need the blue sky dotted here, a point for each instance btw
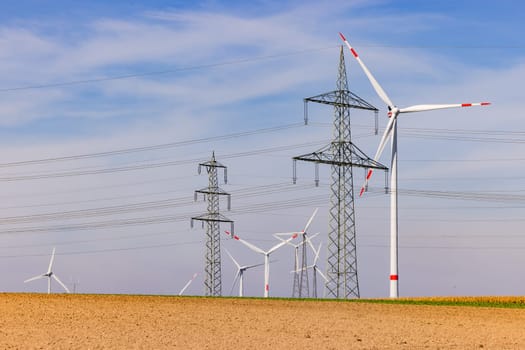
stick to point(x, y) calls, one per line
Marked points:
point(230, 67)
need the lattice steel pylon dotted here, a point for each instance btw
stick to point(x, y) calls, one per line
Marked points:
point(213, 218)
point(342, 155)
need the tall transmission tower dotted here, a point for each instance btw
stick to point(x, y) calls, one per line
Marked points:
point(342, 155)
point(212, 219)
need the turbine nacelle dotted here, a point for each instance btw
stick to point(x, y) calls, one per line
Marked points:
point(393, 111)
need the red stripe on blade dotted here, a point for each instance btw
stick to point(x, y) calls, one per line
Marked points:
point(267, 287)
point(466, 105)
point(485, 103)
point(342, 36)
point(393, 277)
point(369, 174)
point(362, 190)
point(354, 53)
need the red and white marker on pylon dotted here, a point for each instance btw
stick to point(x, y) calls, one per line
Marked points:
point(391, 131)
point(266, 257)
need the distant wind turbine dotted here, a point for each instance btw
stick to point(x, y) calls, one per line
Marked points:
point(315, 268)
point(49, 274)
point(266, 257)
point(240, 274)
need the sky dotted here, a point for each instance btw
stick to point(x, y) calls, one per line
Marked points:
point(107, 108)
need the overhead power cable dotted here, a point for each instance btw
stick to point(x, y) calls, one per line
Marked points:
point(160, 219)
point(170, 203)
point(458, 195)
point(152, 147)
point(156, 165)
point(164, 72)
point(242, 61)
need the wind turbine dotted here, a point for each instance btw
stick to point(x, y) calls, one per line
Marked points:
point(240, 274)
point(266, 257)
point(296, 268)
point(315, 268)
point(391, 132)
point(49, 274)
point(301, 281)
point(188, 283)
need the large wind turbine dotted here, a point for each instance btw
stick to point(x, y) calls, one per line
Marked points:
point(391, 132)
point(49, 274)
point(266, 257)
point(240, 274)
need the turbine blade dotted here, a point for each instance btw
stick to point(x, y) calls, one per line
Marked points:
point(309, 241)
point(321, 273)
point(246, 267)
point(237, 275)
point(231, 257)
point(277, 246)
point(310, 220)
point(188, 284)
point(421, 108)
point(380, 149)
point(34, 278)
point(279, 234)
point(60, 282)
point(248, 244)
point(317, 253)
point(51, 261)
point(379, 90)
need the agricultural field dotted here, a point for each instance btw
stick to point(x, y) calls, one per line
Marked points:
point(156, 322)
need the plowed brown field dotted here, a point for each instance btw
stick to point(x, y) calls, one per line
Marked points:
point(153, 322)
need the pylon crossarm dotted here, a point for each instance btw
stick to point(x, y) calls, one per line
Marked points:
point(342, 98)
point(218, 191)
point(348, 154)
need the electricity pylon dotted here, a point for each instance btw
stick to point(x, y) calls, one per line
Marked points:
point(342, 155)
point(212, 269)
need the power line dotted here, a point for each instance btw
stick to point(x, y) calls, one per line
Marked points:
point(154, 165)
point(97, 251)
point(164, 72)
point(152, 147)
point(242, 61)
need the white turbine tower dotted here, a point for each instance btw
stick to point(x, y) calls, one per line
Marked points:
point(391, 131)
point(266, 257)
point(49, 274)
point(240, 274)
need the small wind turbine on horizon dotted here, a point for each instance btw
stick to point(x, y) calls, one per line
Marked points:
point(266, 257)
point(391, 133)
point(240, 274)
point(49, 274)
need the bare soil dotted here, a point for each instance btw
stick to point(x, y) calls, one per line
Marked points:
point(36, 321)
